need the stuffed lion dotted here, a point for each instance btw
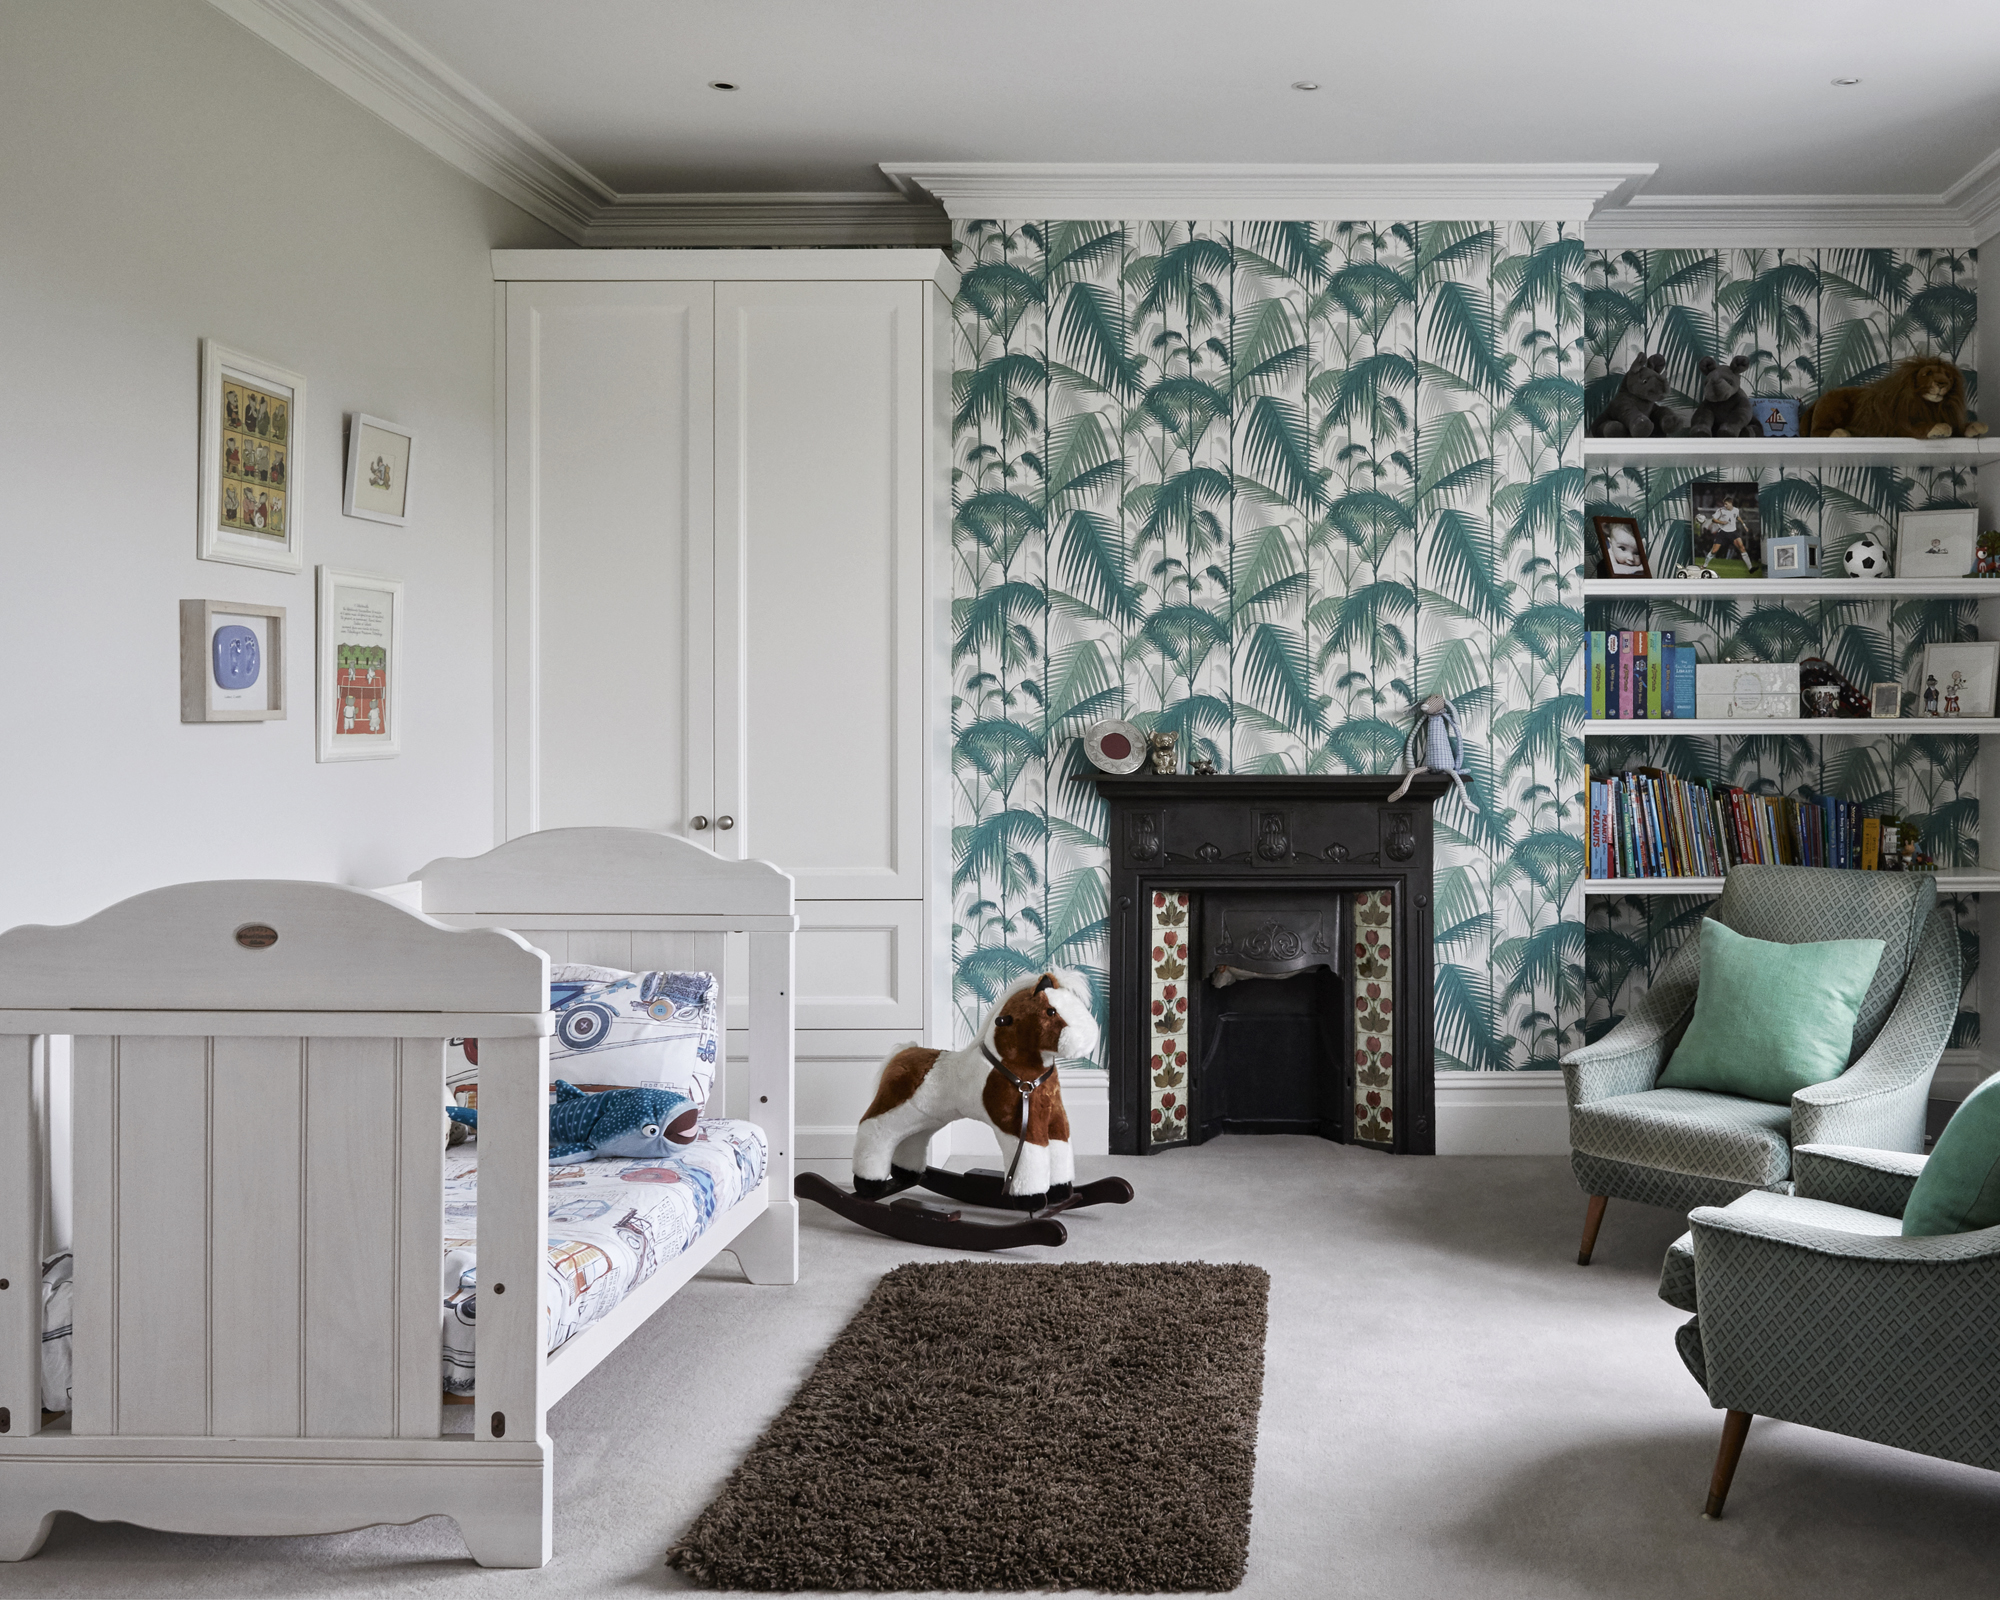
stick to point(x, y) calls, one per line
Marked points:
point(1923, 398)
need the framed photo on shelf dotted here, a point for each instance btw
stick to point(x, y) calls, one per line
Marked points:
point(1957, 679)
point(251, 412)
point(1885, 700)
point(1794, 555)
point(360, 674)
point(1724, 529)
point(232, 661)
point(1621, 548)
point(378, 470)
point(1937, 544)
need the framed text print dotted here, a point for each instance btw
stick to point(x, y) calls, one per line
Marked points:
point(250, 414)
point(360, 666)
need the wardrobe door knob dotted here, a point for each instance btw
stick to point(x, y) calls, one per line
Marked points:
point(698, 823)
point(725, 823)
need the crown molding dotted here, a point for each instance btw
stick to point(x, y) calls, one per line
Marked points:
point(1977, 194)
point(1786, 221)
point(1281, 191)
point(802, 220)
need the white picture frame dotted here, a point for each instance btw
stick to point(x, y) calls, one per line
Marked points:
point(253, 643)
point(252, 413)
point(1957, 680)
point(1937, 544)
point(360, 677)
point(379, 459)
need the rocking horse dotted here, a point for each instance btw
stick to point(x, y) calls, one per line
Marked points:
point(1007, 1078)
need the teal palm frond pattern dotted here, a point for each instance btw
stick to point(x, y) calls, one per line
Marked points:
point(1267, 484)
point(1808, 320)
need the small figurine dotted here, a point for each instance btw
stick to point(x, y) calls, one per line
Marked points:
point(1161, 745)
point(1437, 743)
point(1203, 767)
point(1930, 694)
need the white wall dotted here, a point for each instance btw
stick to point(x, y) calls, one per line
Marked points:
point(165, 175)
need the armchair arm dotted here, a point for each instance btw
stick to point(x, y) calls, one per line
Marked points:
point(1630, 1057)
point(1881, 1338)
point(1879, 1101)
point(1868, 1180)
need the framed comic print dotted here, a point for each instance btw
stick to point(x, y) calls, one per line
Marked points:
point(360, 674)
point(251, 412)
point(378, 470)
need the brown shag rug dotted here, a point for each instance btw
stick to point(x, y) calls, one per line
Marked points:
point(988, 1425)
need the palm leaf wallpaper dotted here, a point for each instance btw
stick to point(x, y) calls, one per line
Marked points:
point(1267, 484)
point(1807, 320)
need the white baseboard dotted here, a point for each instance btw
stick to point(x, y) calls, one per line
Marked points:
point(1501, 1114)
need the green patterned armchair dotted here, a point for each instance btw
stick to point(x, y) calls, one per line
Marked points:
point(1812, 1308)
point(1688, 1147)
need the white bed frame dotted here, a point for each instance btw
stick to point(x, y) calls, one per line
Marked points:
point(257, 1183)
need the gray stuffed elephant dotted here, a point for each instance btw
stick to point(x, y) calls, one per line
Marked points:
point(1725, 410)
point(1635, 410)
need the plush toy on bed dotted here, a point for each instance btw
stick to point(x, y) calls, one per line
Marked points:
point(615, 1122)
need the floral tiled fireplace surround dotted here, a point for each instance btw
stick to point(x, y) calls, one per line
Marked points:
point(1271, 966)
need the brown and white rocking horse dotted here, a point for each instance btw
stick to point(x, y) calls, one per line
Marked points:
point(1007, 1078)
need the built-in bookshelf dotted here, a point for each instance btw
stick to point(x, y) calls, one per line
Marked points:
point(1750, 727)
point(1949, 880)
point(1680, 449)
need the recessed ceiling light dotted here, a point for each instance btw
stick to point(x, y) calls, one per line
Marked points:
point(717, 83)
point(1845, 83)
point(1305, 83)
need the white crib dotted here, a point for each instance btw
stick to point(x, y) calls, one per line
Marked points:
point(256, 1175)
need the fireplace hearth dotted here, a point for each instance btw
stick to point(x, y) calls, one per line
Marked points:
point(1271, 967)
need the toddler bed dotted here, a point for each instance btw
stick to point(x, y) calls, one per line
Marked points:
point(262, 1195)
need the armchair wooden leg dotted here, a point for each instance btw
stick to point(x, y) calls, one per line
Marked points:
point(1735, 1426)
point(1592, 1220)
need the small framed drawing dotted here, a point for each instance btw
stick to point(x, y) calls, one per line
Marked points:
point(1885, 699)
point(1958, 679)
point(1937, 544)
point(378, 470)
point(361, 678)
point(232, 661)
point(1621, 551)
point(251, 412)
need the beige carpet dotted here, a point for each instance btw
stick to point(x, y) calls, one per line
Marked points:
point(1453, 1410)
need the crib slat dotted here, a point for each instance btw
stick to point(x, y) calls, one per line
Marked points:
point(350, 1237)
point(419, 1318)
point(159, 1157)
point(257, 1139)
point(94, 1302)
point(21, 1181)
point(772, 1074)
point(513, 1235)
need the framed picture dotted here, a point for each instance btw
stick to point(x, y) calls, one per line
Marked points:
point(360, 666)
point(1779, 417)
point(378, 470)
point(1958, 679)
point(251, 412)
point(232, 661)
point(1885, 700)
point(1724, 529)
point(1621, 550)
point(1937, 544)
point(1794, 555)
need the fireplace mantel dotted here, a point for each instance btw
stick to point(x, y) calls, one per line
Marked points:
point(1243, 831)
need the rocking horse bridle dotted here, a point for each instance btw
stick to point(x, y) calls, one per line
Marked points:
point(1027, 1093)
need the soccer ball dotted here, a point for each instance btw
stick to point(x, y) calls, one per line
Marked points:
point(1865, 559)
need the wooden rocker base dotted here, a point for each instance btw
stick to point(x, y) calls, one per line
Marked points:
point(918, 1221)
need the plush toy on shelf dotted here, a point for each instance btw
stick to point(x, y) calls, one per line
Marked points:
point(1725, 412)
point(1635, 410)
point(1922, 398)
point(1436, 745)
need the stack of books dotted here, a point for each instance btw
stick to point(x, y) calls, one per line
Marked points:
point(1649, 824)
point(1640, 674)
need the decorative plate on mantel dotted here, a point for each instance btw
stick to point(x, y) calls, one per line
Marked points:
point(1115, 747)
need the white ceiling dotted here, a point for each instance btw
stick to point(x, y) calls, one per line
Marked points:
point(1729, 97)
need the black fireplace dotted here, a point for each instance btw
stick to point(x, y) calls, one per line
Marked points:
point(1271, 966)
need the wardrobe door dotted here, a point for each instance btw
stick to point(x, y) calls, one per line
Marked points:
point(820, 500)
point(610, 568)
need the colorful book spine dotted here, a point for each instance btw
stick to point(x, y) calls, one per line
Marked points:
point(1871, 843)
point(1638, 665)
point(1597, 676)
point(1683, 659)
point(1655, 689)
point(1614, 658)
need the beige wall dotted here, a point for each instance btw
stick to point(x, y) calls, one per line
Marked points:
point(165, 175)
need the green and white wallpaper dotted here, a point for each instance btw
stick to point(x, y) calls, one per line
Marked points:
point(1269, 484)
point(1808, 320)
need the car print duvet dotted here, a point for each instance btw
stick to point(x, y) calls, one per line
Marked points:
point(612, 1223)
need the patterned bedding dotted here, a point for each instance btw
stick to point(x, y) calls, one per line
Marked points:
point(612, 1223)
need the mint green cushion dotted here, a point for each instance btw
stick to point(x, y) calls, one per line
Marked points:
point(1771, 1019)
point(1959, 1188)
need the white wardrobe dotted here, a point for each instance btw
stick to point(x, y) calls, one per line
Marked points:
point(726, 599)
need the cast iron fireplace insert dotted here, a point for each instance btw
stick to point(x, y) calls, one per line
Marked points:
point(1281, 858)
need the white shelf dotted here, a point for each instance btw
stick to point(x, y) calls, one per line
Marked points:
point(1681, 450)
point(1829, 727)
point(1808, 588)
point(1955, 880)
